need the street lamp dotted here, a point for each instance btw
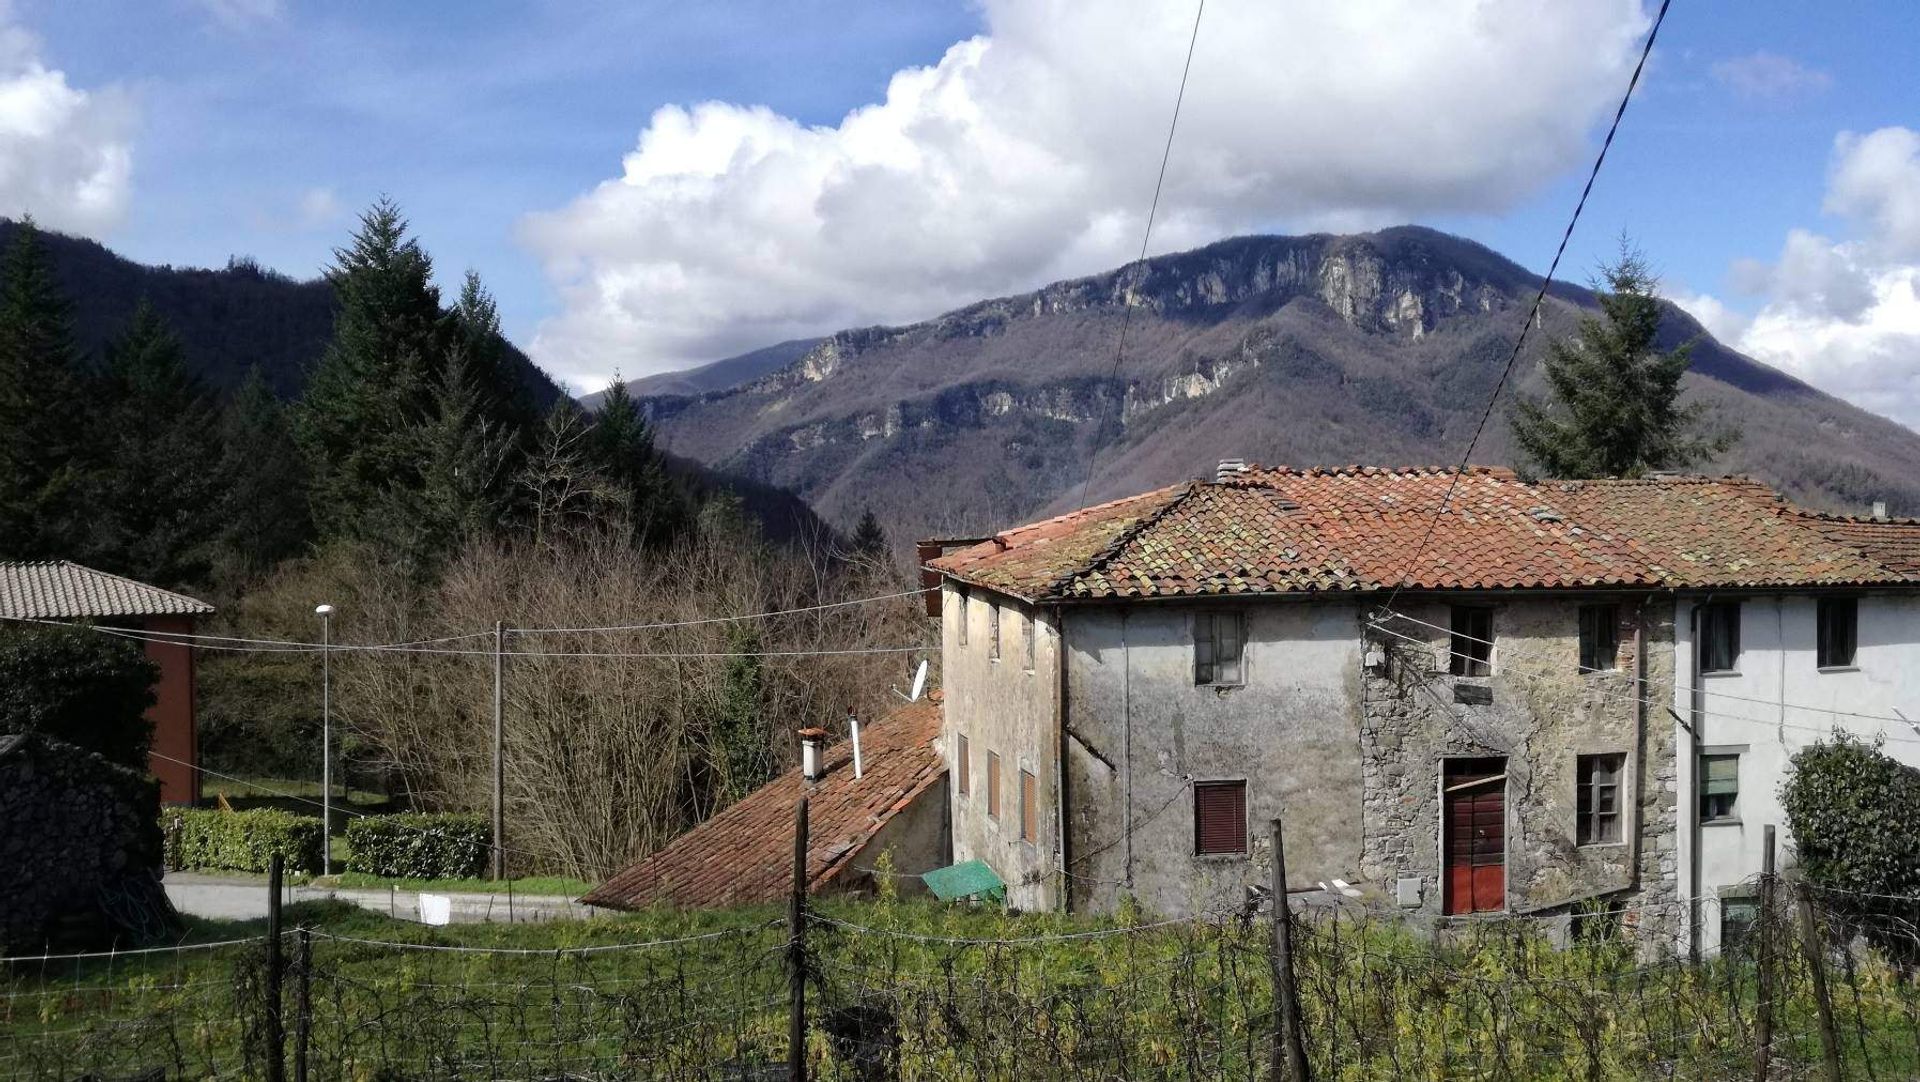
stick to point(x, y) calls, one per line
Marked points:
point(325, 612)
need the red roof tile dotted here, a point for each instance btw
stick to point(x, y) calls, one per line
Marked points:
point(744, 854)
point(1275, 531)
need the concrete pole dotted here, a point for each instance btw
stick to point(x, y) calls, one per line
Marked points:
point(326, 740)
point(499, 751)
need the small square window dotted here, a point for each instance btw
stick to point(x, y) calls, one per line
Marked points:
point(993, 785)
point(1471, 643)
point(1219, 817)
point(1720, 636)
point(1029, 806)
point(1739, 921)
point(993, 631)
point(1839, 631)
point(1598, 799)
point(1599, 638)
point(1219, 640)
point(962, 767)
point(1027, 635)
point(1719, 788)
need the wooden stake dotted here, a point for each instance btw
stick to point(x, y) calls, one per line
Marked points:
point(499, 753)
point(1289, 1047)
point(1817, 966)
point(1763, 1047)
point(797, 952)
point(276, 1033)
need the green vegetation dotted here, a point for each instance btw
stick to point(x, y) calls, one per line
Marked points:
point(1614, 408)
point(242, 841)
point(446, 846)
point(548, 885)
point(1855, 815)
point(78, 687)
point(942, 992)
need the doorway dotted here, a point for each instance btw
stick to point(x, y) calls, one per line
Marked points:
point(1473, 796)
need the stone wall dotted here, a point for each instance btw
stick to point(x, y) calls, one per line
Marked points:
point(1539, 712)
point(80, 849)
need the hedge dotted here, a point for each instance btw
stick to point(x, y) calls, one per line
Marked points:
point(242, 841)
point(418, 846)
point(1855, 815)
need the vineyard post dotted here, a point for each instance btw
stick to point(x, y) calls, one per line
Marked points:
point(1289, 1047)
point(797, 952)
point(1763, 1048)
point(1817, 968)
point(302, 1003)
point(276, 1034)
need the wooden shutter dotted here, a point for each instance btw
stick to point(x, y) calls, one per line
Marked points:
point(1220, 817)
point(1029, 806)
point(962, 768)
point(993, 785)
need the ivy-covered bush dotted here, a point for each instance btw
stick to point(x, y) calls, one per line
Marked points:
point(1855, 816)
point(79, 687)
point(241, 841)
point(418, 846)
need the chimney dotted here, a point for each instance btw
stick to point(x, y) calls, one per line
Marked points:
point(853, 723)
point(1229, 467)
point(924, 553)
point(1880, 510)
point(813, 759)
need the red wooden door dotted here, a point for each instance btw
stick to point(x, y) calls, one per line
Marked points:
point(1474, 800)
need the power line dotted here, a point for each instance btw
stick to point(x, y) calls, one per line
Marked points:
point(1126, 310)
point(723, 619)
point(1539, 298)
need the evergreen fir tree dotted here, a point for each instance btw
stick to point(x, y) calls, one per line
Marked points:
point(264, 511)
point(1614, 409)
point(376, 381)
point(464, 461)
point(154, 491)
point(623, 445)
point(41, 407)
point(869, 539)
point(501, 388)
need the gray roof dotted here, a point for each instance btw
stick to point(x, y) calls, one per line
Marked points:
point(63, 590)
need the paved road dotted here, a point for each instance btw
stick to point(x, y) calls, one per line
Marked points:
point(223, 898)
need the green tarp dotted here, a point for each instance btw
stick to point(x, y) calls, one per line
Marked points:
point(970, 879)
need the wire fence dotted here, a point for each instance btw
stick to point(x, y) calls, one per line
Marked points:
point(1817, 985)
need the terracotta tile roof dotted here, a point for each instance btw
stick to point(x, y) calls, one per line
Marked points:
point(744, 854)
point(1278, 530)
point(62, 590)
point(1893, 542)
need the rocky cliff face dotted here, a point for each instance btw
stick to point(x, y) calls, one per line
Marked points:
point(1373, 348)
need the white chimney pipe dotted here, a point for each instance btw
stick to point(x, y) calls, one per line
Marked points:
point(812, 765)
point(1228, 467)
point(1880, 509)
point(853, 722)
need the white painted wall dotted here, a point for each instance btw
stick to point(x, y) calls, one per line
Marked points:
point(1777, 702)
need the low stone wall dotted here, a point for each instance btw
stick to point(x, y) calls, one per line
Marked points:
point(80, 849)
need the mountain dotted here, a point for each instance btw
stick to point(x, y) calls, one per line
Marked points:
point(715, 375)
point(1374, 348)
point(227, 320)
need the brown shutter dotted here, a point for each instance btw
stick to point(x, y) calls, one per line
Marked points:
point(1029, 807)
point(993, 784)
point(1220, 817)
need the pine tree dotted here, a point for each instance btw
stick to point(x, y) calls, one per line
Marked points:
point(623, 445)
point(376, 381)
point(869, 539)
point(465, 463)
point(264, 512)
point(42, 407)
point(503, 393)
point(1614, 409)
point(154, 491)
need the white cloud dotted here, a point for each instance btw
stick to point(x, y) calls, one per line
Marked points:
point(319, 207)
point(1769, 76)
point(1028, 154)
point(65, 155)
point(242, 14)
point(1844, 315)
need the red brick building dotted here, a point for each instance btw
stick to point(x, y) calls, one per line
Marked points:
point(62, 590)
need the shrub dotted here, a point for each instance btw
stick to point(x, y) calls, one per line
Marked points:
point(80, 687)
point(1855, 816)
point(242, 841)
point(418, 846)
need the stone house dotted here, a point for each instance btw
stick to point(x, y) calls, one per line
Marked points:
point(1459, 713)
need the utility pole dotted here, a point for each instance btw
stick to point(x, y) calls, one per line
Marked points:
point(325, 612)
point(499, 751)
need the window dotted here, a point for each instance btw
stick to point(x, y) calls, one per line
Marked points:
point(1218, 639)
point(993, 785)
point(1029, 806)
point(1739, 922)
point(1598, 799)
point(1839, 630)
point(962, 768)
point(1719, 788)
point(1599, 638)
point(993, 631)
point(1219, 817)
point(1026, 640)
point(1472, 642)
point(1720, 636)
point(961, 607)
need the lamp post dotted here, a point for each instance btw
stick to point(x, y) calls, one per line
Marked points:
point(325, 612)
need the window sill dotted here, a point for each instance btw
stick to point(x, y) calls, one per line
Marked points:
point(1721, 672)
point(1219, 688)
point(1720, 822)
point(1600, 845)
point(1837, 668)
point(1221, 858)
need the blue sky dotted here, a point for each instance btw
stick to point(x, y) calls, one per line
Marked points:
point(512, 135)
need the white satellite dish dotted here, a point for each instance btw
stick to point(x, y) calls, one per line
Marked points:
point(919, 684)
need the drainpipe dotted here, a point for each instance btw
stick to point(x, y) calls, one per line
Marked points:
point(1689, 809)
point(1126, 747)
point(1060, 756)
